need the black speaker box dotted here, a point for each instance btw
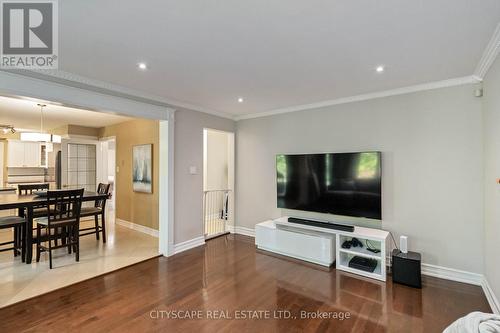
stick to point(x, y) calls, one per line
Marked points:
point(406, 268)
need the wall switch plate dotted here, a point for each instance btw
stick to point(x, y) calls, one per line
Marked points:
point(192, 170)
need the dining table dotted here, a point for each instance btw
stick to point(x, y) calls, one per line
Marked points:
point(25, 205)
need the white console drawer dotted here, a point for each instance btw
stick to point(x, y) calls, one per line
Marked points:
point(315, 248)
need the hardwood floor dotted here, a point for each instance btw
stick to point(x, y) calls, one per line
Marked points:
point(229, 276)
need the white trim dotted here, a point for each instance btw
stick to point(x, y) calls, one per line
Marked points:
point(358, 98)
point(452, 274)
point(428, 270)
point(166, 187)
point(491, 297)
point(189, 244)
point(82, 82)
point(40, 89)
point(73, 81)
point(489, 55)
point(137, 227)
point(241, 230)
point(446, 273)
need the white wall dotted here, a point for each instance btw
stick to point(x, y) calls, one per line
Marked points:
point(188, 191)
point(491, 109)
point(432, 166)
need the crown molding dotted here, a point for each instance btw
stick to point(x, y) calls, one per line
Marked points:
point(489, 55)
point(364, 97)
point(82, 82)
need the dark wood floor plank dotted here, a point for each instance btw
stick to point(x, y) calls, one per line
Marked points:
point(229, 275)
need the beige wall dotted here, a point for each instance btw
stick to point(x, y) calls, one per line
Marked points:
point(76, 130)
point(135, 207)
point(432, 157)
point(188, 194)
point(491, 109)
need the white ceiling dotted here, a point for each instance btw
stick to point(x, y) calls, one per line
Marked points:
point(25, 115)
point(275, 54)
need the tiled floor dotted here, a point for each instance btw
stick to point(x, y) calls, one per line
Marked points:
point(124, 247)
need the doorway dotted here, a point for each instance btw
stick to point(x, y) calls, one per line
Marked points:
point(106, 171)
point(218, 182)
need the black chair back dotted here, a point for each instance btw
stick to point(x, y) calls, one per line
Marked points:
point(27, 189)
point(63, 206)
point(102, 189)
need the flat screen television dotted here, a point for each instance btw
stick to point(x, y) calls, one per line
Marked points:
point(347, 184)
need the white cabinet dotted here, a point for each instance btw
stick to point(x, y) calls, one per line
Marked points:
point(15, 156)
point(323, 246)
point(23, 154)
point(318, 248)
point(32, 154)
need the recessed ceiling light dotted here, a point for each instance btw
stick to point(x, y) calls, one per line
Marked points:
point(240, 99)
point(142, 65)
point(380, 69)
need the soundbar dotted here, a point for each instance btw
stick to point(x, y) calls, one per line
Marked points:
point(328, 225)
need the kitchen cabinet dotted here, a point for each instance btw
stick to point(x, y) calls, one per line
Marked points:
point(24, 154)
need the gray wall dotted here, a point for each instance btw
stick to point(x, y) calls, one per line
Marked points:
point(491, 109)
point(432, 166)
point(188, 191)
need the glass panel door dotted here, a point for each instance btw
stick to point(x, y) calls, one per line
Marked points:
point(82, 166)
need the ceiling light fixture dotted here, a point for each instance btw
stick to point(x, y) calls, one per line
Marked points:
point(380, 69)
point(7, 128)
point(40, 136)
point(240, 99)
point(142, 66)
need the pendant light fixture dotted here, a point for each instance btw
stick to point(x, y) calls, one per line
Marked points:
point(40, 136)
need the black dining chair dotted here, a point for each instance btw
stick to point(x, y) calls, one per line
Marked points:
point(18, 224)
point(62, 213)
point(98, 209)
point(28, 189)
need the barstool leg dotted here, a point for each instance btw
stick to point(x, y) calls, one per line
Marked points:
point(50, 248)
point(23, 243)
point(16, 240)
point(38, 241)
point(103, 221)
point(96, 224)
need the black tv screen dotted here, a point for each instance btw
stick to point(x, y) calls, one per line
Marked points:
point(347, 184)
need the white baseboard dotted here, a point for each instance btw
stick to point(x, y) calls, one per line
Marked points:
point(241, 230)
point(189, 244)
point(490, 296)
point(429, 270)
point(452, 274)
point(137, 227)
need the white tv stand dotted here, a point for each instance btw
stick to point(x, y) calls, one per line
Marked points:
point(322, 246)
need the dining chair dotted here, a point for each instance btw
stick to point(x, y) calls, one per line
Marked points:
point(18, 224)
point(62, 213)
point(28, 189)
point(98, 209)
